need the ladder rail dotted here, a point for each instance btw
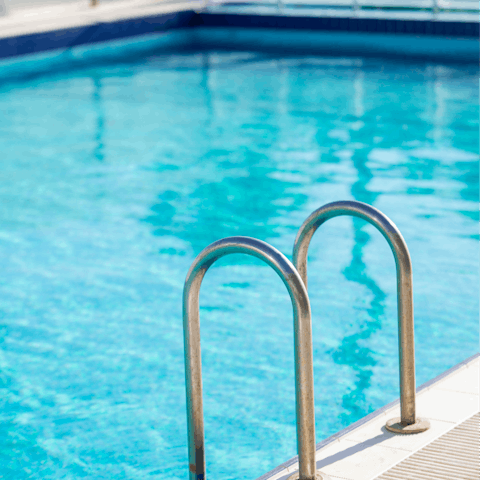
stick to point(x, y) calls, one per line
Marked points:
point(304, 392)
point(404, 293)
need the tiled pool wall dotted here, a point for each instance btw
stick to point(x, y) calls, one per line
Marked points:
point(90, 34)
point(447, 41)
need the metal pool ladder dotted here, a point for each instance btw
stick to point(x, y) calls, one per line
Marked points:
point(408, 422)
point(302, 343)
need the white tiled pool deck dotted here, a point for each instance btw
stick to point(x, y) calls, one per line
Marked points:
point(80, 14)
point(369, 450)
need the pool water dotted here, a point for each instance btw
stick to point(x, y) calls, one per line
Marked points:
point(116, 175)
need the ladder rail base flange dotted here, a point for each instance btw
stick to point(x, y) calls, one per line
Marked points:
point(318, 476)
point(395, 426)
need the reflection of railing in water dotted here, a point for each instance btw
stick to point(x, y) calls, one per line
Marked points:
point(100, 127)
point(408, 422)
point(352, 351)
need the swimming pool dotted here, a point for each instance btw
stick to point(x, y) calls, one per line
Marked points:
point(116, 175)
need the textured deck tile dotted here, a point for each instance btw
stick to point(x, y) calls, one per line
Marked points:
point(454, 455)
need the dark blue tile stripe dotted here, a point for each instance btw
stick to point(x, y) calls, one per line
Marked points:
point(416, 27)
point(71, 37)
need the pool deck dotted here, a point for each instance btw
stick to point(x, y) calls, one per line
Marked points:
point(366, 450)
point(80, 14)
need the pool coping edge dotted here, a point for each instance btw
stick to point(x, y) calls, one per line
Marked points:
point(370, 416)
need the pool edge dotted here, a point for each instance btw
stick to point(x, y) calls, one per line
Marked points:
point(459, 40)
point(371, 416)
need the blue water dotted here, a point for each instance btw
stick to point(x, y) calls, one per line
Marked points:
point(115, 175)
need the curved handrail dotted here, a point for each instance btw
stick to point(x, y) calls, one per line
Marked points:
point(303, 350)
point(404, 289)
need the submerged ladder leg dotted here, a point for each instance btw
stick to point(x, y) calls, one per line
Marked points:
point(302, 343)
point(408, 423)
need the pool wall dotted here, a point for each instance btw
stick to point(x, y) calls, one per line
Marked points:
point(339, 24)
point(89, 34)
point(340, 43)
point(447, 41)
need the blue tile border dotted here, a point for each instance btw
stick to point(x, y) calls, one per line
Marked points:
point(415, 27)
point(99, 32)
point(407, 47)
point(463, 49)
point(58, 60)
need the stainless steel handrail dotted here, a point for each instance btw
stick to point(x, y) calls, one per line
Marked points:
point(302, 341)
point(408, 423)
